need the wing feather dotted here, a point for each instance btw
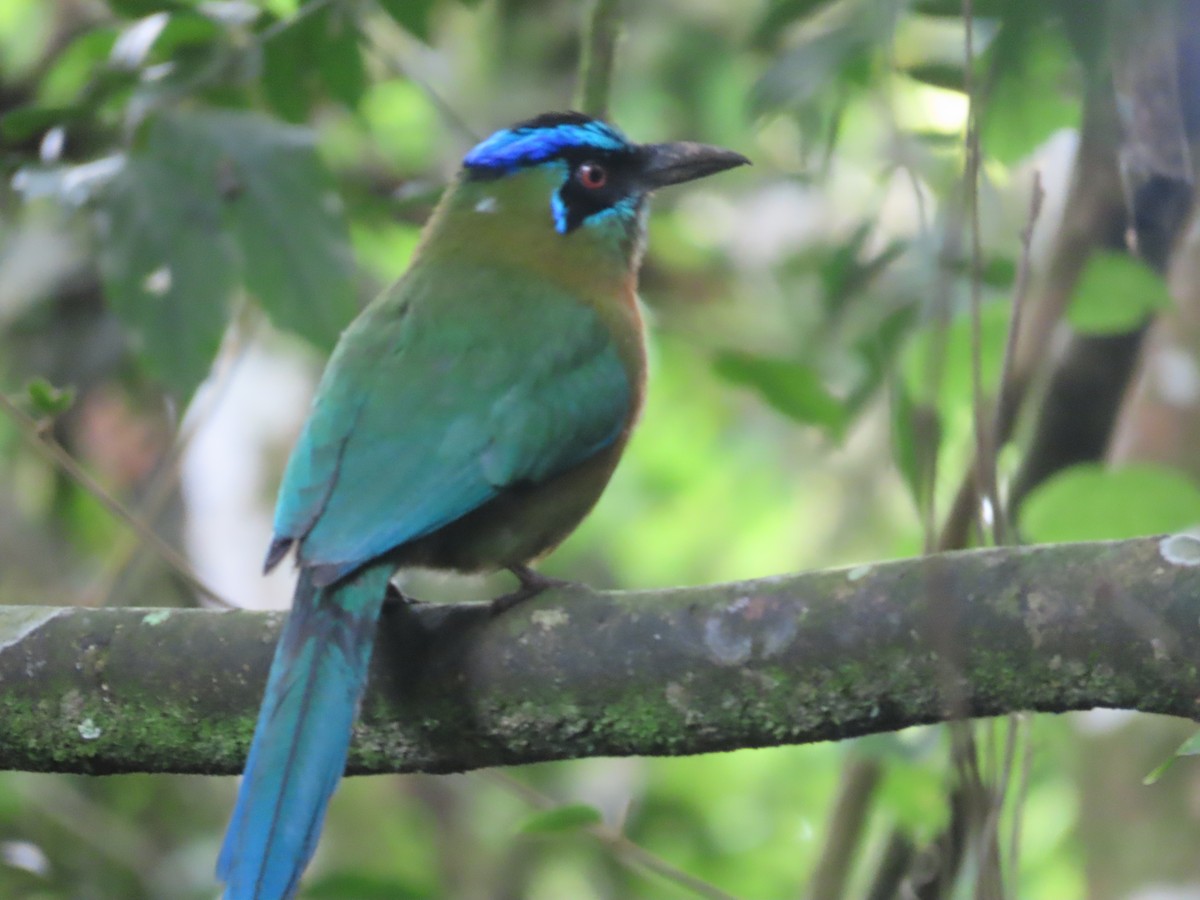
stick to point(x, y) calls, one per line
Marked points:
point(435, 401)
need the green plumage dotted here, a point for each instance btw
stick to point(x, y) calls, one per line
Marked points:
point(460, 383)
point(468, 419)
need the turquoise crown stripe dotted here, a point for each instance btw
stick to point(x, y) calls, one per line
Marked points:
point(513, 148)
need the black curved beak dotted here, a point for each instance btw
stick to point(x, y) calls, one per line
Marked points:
point(681, 161)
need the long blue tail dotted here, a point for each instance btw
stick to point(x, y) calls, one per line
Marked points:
point(303, 735)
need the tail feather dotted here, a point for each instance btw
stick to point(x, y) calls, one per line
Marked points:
point(302, 736)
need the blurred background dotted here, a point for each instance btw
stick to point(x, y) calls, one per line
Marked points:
point(196, 197)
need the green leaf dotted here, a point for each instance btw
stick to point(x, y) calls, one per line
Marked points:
point(953, 345)
point(212, 198)
point(75, 67)
point(562, 818)
point(186, 31)
point(135, 9)
point(287, 218)
point(782, 13)
point(792, 388)
point(1115, 294)
point(411, 15)
point(1190, 747)
point(289, 66)
point(24, 122)
point(340, 60)
point(168, 264)
point(847, 268)
point(914, 795)
point(47, 401)
point(1035, 95)
point(804, 72)
point(1090, 503)
point(916, 439)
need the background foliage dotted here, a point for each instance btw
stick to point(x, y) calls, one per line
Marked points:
point(197, 197)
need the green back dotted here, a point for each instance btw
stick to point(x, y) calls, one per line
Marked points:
point(460, 381)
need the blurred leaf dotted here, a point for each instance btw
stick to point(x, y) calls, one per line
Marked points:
point(1115, 294)
point(1090, 503)
point(136, 9)
point(916, 746)
point(916, 439)
point(941, 75)
point(314, 49)
point(844, 271)
point(186, 30)
point(340, 60)
point(913, 792)
point(782, 13)
point(931, 48)
point(136, 40)
point(817, 64)
point(288, 220)
point(990, 8)
point(794, 389)
point(26, 121)
point(954, 347)
point(562, 818)
point(69, 185)
point(357, 886)
point(411, 15)
point(1036, 92)
point(211, 195)
point(46, 400)
point(75, 67)
point(168, 264)
point(289, 65)
point(999, 271)
point(1190, 747)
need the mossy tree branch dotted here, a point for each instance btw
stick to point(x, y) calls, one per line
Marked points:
point(573, 673)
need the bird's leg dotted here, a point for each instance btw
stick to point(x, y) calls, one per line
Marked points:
point(532, 584)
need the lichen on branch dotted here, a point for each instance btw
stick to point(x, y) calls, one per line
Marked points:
point(574, 672)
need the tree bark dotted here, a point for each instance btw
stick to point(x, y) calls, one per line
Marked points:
point(573, 673)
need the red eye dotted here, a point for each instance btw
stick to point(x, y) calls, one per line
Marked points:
point(593, 176)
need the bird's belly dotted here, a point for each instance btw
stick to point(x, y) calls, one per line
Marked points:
point(522, 524)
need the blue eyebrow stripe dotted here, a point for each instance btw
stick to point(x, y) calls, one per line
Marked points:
point(515, 147)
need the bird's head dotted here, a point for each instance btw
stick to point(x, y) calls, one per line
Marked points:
point(581, 175)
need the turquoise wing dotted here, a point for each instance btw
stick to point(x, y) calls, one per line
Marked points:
point(443, 393)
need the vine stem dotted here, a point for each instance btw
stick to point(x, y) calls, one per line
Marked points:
point(54, 451)
point(596, 61)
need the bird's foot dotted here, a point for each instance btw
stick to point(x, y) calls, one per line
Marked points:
point(395, 599)
point(532, 584)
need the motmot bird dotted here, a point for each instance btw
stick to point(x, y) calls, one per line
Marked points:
point(467, 420)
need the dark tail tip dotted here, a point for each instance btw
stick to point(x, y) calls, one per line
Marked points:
point(278, 550)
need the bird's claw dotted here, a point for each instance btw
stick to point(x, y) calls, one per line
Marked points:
point(532, 584)
point(395, 599)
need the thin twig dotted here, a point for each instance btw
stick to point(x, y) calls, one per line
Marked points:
point(165, 482)
point(1006, 400)
point(596, 61)
point(985, 444)
point(615, 840)
point(988, 836)
point(396, 67)
point(61, 458)
point(860, 777)
point(105, 833)
point(1014, 840)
